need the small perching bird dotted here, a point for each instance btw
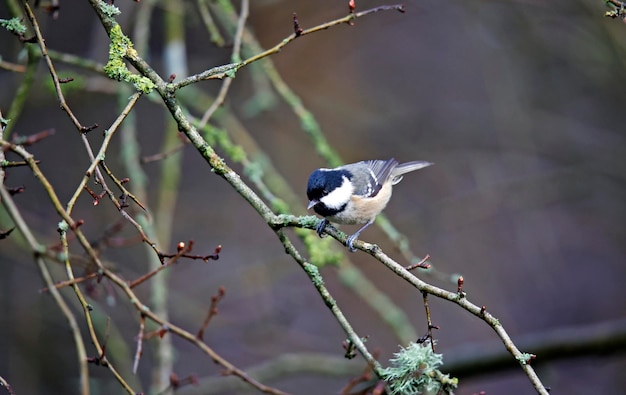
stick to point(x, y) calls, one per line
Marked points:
point(355, 193)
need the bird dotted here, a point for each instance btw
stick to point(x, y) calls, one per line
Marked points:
point(355, 193)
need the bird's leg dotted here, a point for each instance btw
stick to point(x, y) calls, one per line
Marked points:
point(321, 226)
point(352, 238)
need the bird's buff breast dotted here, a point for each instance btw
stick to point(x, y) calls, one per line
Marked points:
point(369, 208)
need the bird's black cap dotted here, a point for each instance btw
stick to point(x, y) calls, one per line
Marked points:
point(322, 182)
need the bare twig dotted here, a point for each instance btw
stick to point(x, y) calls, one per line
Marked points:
point(139, 352)
point(429, 333)
point(5, 384)
point(16, 68)
point(82, 129)
point(33, 138)
point(220, 72)
point(215, 299)
point(6, 165)
point(17, 218)
point(346, 19)
point(188, 336)
point(423, 264)
point(55, 79)
point(209, 23)
point(66, 283)
point(125, 191)
point(87, 308)
point(221, 96)
point(168, 153)
point(96, 159)
point(147, 276)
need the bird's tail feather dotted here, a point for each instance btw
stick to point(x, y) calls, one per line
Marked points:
point(410, 166)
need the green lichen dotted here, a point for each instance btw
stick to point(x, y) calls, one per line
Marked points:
point(309, 221)
point(63, 227)
point(14, 25)
point(109, 9)
point(413, 370)
point(616, 11)
point(314, 274)
point(116, 69)
point(525, 358)
point(231, 73)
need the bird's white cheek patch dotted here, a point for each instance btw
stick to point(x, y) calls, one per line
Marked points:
point(340, 196)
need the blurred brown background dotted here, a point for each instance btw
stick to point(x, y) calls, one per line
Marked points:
point(519, 103)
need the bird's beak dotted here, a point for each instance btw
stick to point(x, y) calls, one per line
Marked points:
point(312, 203)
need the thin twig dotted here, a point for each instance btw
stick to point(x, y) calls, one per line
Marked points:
point(209, 23)
point(220, 72)
point(120, 185)
point(96, 159)
point(429, 333)
point(16, 68)
point(423, 264)
point(55, 79)
point(188, 336)
point(34, 245)
point(87, 308)
point(33, 138)
point(5, 384)
point(235, 56)
point(150, 274)
point(22, 92)
point(215, 299)
point(166, 154)
point(77, 280)
point(6, 165)
point(346, 19)
point(139, 352)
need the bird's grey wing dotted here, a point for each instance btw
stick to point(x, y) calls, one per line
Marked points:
point(370, 175)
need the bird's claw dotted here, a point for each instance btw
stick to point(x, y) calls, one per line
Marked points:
point(350, 242)
point(321, 226)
